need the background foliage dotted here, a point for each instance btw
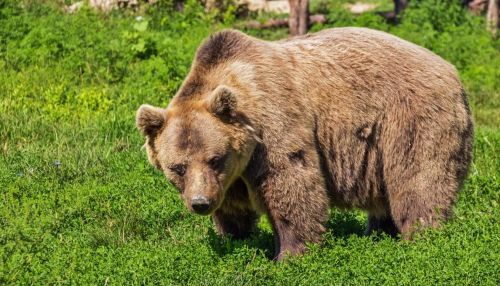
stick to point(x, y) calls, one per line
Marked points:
point(79, 203)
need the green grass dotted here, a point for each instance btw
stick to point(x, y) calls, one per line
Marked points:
point(79, 204)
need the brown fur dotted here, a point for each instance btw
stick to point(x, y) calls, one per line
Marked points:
point(347, 117)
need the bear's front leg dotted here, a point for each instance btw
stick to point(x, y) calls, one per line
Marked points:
point(238, 225)
point(296, 200)
point(236, 216)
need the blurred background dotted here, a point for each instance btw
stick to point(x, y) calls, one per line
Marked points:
point(103, 52)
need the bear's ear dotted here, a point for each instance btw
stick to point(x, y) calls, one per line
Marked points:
point(149, 120)
point(223, 103)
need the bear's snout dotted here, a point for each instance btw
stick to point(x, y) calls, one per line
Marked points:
point(200, 205)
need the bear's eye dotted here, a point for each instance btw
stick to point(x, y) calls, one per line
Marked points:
point(179, 169)
point(216, 162)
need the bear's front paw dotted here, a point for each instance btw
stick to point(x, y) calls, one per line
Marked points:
point(290, 251)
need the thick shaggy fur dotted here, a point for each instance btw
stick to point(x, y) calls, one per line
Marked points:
point(347, 117)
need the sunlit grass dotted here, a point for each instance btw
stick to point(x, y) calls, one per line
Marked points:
point(79, 203)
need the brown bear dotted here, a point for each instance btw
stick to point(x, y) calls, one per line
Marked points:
point(347, 117)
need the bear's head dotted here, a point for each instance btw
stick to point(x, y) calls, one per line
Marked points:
point(201, 145)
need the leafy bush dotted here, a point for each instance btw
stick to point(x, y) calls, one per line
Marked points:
point(146, 54)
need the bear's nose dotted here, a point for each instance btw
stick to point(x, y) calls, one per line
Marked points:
point(200, 204)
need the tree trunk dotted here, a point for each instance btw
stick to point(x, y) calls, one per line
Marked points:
point(492, 16)
point(304, 17)
point(298, 21)
point(399, 5)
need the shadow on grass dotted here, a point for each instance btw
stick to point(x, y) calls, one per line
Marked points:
point(345, 224)
point(341, 225)
point(259, 240)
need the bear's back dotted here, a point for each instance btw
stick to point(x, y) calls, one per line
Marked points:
point(374, 58)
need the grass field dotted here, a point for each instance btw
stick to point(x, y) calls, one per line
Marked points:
point(79, 204)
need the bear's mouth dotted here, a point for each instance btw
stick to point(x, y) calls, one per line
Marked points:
point(202, 212)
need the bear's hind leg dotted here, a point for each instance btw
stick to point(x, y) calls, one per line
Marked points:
point(421, 199)
point(425, 160)
point(412, 213)
point(423, 196)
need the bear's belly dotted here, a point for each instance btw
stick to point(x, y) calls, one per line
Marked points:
point(351, 165)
